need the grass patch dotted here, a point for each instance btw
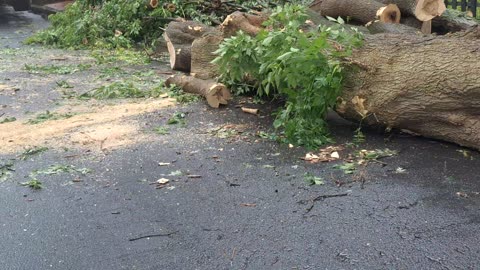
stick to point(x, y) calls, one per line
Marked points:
point(47, 116)
point(6, 170)
point(60, 168)
point(177, 118)
point(32, 152)
point(182, 97)
point(312, 180)
point(161, 130)
point(55, 69)
point(127, 56)
point(8, 120)
point(122, 89)
point(63, 84)
point(33, 184)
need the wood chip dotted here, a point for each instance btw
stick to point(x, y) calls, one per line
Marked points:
point(248, 204)
point(250, 110)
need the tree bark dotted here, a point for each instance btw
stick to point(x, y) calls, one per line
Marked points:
point(428, 85)
point(215, 93)
point(381, 27)
point(179, 37)
point(203, 54)
point(423, 10)
point(248, 23)
point(362, 11)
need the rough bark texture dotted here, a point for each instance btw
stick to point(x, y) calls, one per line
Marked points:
point(381, 27)
point(203, 54)
point(248, 23)
point(428, 85)
point(179, 37)
point(423, 10)
point(362, 11)
point(453, 21)
point(411, 21)
point(215, 93)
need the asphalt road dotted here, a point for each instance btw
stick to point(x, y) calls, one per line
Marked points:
point(249, 207)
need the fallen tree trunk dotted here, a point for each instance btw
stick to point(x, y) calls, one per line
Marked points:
point(381, 27)
point(215, 93)
point(423, 10)
point(179, 37)
point(422, 85)
point(362, 11)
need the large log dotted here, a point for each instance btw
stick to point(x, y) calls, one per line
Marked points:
point(423, 10)
point(203, 54)
point(215, 93)
point(428, 85)
point(179, 37)
point(362, 11)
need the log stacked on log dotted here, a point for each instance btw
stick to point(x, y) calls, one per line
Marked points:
point(362, 11)
point(179, 37)
point(191, 47)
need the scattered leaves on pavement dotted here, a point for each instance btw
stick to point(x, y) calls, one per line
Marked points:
point(32, 151)
point(33, 184)
point(313, 180)
point(46, 116)
point(330, 153)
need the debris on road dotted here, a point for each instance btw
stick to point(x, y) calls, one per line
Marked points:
point(330, 153)
point(250, 110)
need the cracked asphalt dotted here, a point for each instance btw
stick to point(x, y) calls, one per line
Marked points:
point(239, 201)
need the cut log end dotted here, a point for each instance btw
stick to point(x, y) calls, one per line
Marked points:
point(217, 94)
point(153, 4)
point(426, 10)
point(389, 14)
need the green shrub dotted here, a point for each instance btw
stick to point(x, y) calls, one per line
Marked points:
point(122, 23)
point(303, 66)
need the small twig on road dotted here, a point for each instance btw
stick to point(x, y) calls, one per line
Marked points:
point(323, 197)
point(152, 235)
point(320, 198)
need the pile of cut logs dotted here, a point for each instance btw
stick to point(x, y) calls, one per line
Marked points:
point(418, 70)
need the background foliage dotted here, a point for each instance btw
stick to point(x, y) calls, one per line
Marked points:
point(290, 60)
point(122, 23)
